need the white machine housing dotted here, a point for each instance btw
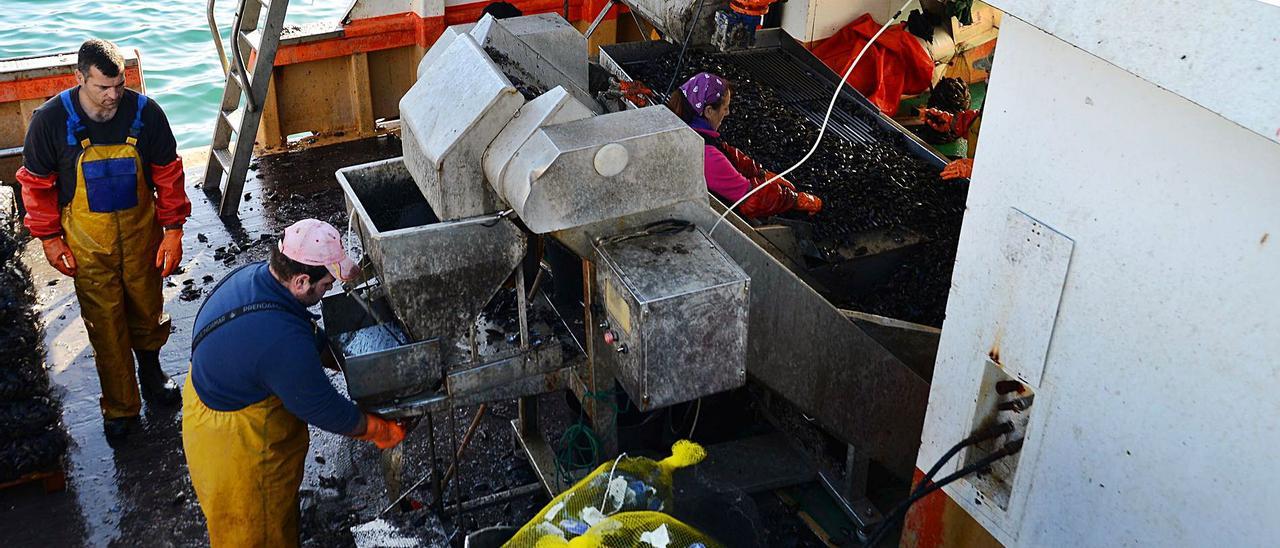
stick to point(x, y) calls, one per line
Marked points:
point(475, 147)
point(554, 162)
point(1119, 258)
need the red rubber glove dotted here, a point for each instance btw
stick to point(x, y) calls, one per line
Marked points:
point(636, 92)
point(744, 164)
point(59, 255)
point(808, 203)
point(956, 125)
point(937, 120)
point(170, 252)
point(964, 120)
point(751, 7)
point(958, 169)
point(769, 175)
point(383, 433)
point(40, 195)
point(773, 199)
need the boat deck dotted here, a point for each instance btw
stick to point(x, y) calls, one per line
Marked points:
point(139, 491)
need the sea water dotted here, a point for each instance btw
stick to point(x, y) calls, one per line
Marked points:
point(179, 62)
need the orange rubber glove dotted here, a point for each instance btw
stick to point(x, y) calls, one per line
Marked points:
point(383, 433)
point(59, 255)
point(958, 169)
point(808, 203)
point(636, 92)
point(170, 252)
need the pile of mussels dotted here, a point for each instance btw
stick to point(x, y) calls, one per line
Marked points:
point(32, 438)
point(864, 185)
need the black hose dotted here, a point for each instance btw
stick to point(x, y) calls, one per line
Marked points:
point(988, 433)
point(693, 24)
point(925, 489)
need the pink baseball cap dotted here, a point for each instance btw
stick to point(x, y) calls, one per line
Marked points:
point(316, 243)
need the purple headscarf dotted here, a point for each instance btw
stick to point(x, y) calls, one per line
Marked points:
point(703, 89)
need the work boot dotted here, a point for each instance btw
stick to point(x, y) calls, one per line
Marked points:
point(157, 388)
point(116, 429)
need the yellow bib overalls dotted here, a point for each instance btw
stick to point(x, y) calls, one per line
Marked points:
point(246, 467)
point(110, 226)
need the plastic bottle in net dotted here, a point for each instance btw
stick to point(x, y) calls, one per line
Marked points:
point(620, 503)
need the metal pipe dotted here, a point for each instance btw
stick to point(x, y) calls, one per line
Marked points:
point(241, 72)
point(457, 453)
point(522, 301)
point(17, 151)
point(217, 36)
point(537, 281)
point(599, 18)
point(494, 498)
point(466, 439)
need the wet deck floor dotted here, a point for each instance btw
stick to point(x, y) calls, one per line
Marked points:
point(139, 493)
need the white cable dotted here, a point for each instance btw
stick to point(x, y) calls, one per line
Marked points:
point(696, 412)
point(825, 119)
point(609, 480)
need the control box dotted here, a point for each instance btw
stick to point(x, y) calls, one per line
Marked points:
point(674, 315)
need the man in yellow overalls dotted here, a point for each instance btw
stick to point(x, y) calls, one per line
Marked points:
point(257, 380)
point(103, 187)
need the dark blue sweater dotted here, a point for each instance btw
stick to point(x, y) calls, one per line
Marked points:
point(272, 352)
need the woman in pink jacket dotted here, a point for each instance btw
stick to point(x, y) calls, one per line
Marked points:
point(703, 103)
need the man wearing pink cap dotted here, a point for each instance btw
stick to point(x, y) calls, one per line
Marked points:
point(256, 382)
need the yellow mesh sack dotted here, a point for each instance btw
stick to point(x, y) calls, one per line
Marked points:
point(634, 529)
point(621, 487)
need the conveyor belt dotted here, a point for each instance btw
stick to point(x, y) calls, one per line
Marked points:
point(799, 80)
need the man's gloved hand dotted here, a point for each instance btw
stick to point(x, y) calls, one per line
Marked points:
point(808, 203)
point(383, 433)
point(170, 252)
point(958, 169)
point(59, 255)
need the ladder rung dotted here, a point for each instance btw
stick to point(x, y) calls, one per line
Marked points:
point(232, 78)
point(252, 39)
point(234, 118)
point(223, 156)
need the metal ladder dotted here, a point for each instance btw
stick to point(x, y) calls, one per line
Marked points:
point(236, 126)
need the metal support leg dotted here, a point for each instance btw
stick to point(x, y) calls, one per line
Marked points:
point(855, 471)
point(850, 492)
point(527, 409)
point(437, 492)
point(528, 432)
point(522, 301)
point(600, 380)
